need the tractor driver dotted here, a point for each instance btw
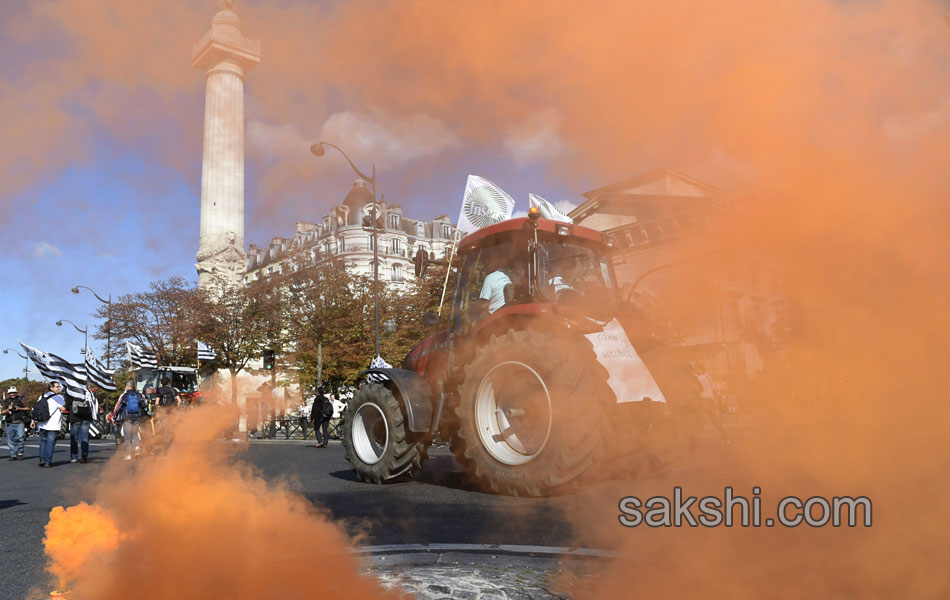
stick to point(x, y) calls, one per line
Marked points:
point(497, 288)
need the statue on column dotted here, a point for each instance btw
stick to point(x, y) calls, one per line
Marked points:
point(227, 4)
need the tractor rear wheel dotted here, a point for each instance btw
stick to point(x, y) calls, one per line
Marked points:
point(531, 413)
point(375, 438)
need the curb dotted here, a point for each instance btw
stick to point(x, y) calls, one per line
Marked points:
point(398, 555)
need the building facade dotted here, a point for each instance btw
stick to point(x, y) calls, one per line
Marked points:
point(676, 260)
point(340, 233)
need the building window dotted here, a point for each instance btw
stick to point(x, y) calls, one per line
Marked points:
point(326, 224)
point(446, 230)
point(393, 221)
point(397, 272)
point(342, 244)
point(326, 247)
point(394, 246)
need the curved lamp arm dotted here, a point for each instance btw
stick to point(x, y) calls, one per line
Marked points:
point(317, 150)
point(75, 290)
point(76, 327)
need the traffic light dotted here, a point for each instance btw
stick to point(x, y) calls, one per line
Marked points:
point(269, 360)
point(422, 262)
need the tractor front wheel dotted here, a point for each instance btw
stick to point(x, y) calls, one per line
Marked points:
point(375, 438)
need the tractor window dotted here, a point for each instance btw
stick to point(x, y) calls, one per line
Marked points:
point(490, 279)
point(569, 272)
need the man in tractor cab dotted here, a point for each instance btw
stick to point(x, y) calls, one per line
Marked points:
point(497, 289)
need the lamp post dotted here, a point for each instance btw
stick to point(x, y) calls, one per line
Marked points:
point(26, 367)
point(84, 332)
point(318, 149)
point(108, 302)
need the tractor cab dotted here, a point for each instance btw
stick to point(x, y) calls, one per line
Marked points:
point(528, 266)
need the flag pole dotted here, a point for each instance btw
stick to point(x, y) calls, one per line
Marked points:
point(448, 269)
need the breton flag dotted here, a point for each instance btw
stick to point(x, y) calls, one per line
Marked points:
point(141, 358)
point(98, 376)
point(205, 352)
point(378, 363)
point(483, 204)
point(548, 210)
point(54, 368)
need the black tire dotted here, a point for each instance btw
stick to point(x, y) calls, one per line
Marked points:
point(375, 439)
point(547, 428)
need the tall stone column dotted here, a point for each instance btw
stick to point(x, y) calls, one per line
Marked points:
point(227, 56)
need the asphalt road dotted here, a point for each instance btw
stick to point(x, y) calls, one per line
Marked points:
point(433, 508)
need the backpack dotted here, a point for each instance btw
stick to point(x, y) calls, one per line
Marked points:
point(133, 404)
point(326, 408)
point(40, 412)
point(82, 409)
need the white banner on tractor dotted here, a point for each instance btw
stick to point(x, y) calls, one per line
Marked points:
point(483, 204)
point(548, 210)
point(630, 379)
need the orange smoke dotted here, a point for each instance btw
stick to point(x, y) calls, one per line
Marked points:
point(195, 522)
point(76, 535)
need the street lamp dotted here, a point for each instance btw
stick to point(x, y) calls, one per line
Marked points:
point(319, 149)
point(26, 367)
point(85, 343)
point(108, 302)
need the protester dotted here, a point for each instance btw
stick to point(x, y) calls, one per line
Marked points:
point(708, 401)
point(50, 425)
point(320, 414)
point(82, 413)
point(15, 413)
point(168, 396)
point(129, 410)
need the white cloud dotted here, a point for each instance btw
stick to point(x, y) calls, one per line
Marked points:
point(388, 140)
point(275, 141)
point(374, 136)
point(535, 139)
point(45, 249)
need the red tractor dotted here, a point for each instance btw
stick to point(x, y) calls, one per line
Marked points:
point(535, 378)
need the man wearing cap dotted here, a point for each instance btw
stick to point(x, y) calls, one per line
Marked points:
point(15, 414)
point(49, 429)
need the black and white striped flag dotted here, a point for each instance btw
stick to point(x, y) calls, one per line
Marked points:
point(205, 352)
point(378, 363)
point(98, 376)
point(141, 358)
point(54, 368)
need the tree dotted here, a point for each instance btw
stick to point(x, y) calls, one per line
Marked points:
point(152, 319)
point(235, 321)
point(320, 306)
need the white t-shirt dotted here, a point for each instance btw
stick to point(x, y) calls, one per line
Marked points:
point(56, 404)
point(493, 290)
point(706, 381)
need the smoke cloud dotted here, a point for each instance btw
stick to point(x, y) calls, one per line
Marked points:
point(195, 522)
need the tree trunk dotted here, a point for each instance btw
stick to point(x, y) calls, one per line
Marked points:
point(234, 388)
point(319, 364)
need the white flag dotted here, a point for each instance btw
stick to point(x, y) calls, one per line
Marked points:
point(548, 210)
point(483, 204)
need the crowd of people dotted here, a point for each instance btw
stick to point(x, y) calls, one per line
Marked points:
point(54, 409)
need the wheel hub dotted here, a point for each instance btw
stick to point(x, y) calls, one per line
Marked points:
point(513, 413)
point(370, 433)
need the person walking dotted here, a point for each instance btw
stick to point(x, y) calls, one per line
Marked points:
point(320, 413)
point(129, 410)
point(48, 427)
point(708, 401)
point(15, 413)
point(81, 415)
